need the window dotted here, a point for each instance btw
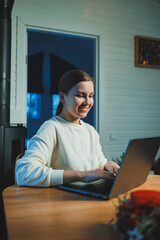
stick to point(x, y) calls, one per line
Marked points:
point(27, 143)
point(55, 101)
point(33, 106)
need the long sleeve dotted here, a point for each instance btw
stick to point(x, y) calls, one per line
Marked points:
point(33, 169)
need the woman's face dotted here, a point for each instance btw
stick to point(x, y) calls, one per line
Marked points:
point(77, 102)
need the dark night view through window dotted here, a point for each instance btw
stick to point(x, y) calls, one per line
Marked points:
point(33, 106)
point(55, 101)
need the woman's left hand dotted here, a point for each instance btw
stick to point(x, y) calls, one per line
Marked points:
point(111, 167)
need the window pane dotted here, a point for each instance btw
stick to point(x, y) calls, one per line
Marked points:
point(33, 106)
point(55, 101)
point(26, 143)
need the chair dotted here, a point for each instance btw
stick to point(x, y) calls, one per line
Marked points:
point(18, 157)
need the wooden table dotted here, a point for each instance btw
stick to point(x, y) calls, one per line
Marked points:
point(48, 213)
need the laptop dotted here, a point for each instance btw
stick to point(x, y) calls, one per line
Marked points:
point(135, 167)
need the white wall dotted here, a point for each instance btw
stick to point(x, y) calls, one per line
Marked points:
point(129, 99)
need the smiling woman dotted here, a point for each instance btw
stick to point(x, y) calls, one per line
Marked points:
point(66, 149)
point(78, 100)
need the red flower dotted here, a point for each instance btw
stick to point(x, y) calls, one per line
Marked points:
point(137, 211)
point(140, 212)
point(125, 206)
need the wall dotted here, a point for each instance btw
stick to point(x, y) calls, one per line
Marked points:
point(129, 96)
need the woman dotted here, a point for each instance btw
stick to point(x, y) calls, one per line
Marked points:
point(65, 149)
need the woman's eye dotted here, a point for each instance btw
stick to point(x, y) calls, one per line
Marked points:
point(79, 95)
point(83, 96)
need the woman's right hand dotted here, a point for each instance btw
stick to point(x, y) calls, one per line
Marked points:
point(90, 176)
point(87, 176)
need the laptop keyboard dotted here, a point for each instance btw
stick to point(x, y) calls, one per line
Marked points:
point(101, 186)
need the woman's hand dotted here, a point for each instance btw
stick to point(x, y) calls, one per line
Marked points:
point(111, 167)
point(90, 176)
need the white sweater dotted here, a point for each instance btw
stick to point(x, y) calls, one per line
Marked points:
point(57, 146)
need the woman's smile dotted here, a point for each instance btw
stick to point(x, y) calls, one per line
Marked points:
point(84, 108)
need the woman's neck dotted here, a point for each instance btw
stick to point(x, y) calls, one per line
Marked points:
point(69, 119)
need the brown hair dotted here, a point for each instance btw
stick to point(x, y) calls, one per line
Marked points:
point(69, 80)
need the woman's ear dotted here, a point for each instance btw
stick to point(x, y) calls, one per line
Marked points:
point(61, 95)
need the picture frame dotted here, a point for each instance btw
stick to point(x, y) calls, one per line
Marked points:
point(147, 52)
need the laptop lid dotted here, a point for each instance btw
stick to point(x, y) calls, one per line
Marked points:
point(135, 167)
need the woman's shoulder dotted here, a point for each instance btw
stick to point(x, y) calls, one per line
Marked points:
point(48, 125)
point(46, 133)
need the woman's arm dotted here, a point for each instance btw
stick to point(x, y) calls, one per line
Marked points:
point(88, 176)
point(33, 169)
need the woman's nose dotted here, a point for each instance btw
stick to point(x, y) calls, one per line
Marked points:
point(87, 100)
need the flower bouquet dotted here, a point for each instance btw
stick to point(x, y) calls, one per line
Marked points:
point(139, 216)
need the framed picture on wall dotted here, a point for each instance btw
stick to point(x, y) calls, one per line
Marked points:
point(147, 52)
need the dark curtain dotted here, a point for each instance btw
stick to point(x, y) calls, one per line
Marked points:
point(35, 73)
point(58, 67)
